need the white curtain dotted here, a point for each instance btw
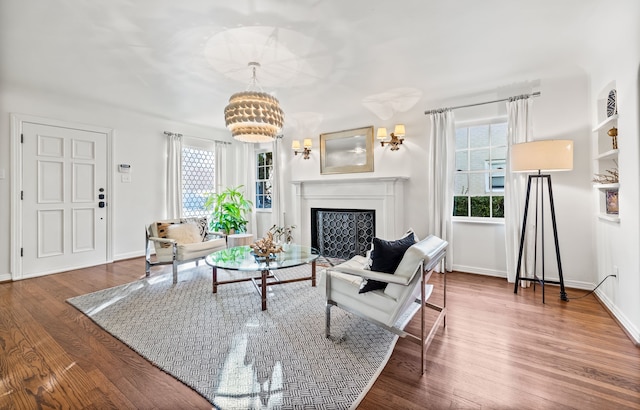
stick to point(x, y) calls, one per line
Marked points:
point(247, 166)
point(441, 167)
point(520, 130)
point(221, 165)
point(174, 175)
point(277, 184)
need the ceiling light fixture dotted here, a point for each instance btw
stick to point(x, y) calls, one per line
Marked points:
point(396, 136)
point(253, 115)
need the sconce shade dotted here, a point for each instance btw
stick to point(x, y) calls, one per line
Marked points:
point(396, 136)
point(399, 130)
point(545, 155)
point(295, 145)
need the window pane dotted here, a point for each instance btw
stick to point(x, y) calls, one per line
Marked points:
point(264, 171)
point(461, 184)
point(497, 206)
point(479, 136)
point(478, 184)
point(498, 157)
point(479, 159)
point(498, 134)
point(461, 138)
point(462, 161)
point(460, 206)
point(480, 206)
point(480, 163)
point(198, 176)
point(497, 182)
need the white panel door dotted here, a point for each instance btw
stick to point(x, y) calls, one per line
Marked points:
point(64, 180)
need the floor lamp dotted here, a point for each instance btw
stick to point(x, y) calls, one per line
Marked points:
point(538, 156)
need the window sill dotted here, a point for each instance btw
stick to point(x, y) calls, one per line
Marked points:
point(263, 210)
point(471, 220)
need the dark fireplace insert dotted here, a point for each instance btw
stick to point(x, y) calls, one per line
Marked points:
point(342, 233)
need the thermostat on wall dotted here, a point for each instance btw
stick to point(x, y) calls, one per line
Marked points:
point(125, 168)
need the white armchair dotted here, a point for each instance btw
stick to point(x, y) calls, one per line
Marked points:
point(404, 287)
point(177, 241)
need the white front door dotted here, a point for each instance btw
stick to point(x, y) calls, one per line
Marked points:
point(64, 198)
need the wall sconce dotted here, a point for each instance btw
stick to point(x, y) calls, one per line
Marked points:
point(396, 136)
point(295, 145)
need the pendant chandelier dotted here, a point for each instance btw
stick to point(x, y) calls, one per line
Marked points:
point(253, 115)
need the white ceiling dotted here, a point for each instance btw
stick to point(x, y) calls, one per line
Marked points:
point(326, 61)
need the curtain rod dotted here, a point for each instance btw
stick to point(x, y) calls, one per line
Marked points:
point(169, 133)
point(536, 94)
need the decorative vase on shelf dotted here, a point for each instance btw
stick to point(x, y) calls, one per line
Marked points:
point(613, 133)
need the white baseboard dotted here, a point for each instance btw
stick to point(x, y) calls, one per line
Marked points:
point(5, 277)
point(128, 255)
point(632, 331)
point(501, 274)
point(480, 271)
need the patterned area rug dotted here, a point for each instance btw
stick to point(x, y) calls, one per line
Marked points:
point(237, 356)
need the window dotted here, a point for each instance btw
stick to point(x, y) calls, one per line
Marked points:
point(198, 176)
point(481, 152)
point(264, 179)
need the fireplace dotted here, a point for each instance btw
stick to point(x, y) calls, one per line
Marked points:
point(342, 233)
point(383, 195)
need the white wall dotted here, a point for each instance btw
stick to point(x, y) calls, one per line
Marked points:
point(561, 112)
point(618, 59)
point(138, 140)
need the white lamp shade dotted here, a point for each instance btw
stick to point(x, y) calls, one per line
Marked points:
point(382, 133)
point(295, 144)
point(545, 155)
point(399, 130)
point(307, 143)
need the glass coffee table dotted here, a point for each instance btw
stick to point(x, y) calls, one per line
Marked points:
point(241, 258)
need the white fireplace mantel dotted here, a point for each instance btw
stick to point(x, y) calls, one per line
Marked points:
point(385, 195)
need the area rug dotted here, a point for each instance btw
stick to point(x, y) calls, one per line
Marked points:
point(236, 355)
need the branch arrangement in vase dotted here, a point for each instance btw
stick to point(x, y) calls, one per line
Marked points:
point(282, 234)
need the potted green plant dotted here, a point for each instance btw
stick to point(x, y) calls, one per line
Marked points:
point(228, 209)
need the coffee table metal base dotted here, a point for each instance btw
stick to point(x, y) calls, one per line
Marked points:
point(264, 278)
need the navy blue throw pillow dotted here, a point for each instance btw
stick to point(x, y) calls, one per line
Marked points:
point(386, 257)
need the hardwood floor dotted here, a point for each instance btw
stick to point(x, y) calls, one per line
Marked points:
point(498, 351)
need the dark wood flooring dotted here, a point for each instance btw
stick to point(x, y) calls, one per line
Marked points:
point(498, 351)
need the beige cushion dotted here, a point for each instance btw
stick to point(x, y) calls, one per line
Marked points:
point(184, 233)
point(200, 249)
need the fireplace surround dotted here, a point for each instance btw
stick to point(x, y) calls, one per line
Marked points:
point(383, 195)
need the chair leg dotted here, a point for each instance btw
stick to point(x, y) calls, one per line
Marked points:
point(147, 267)
point(327, 328)
point(175, 272)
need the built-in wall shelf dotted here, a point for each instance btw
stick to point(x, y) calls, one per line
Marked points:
point(610, 218)
point(607, 186)
point(605, 157)
point(611, 154)
point(610, 121)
